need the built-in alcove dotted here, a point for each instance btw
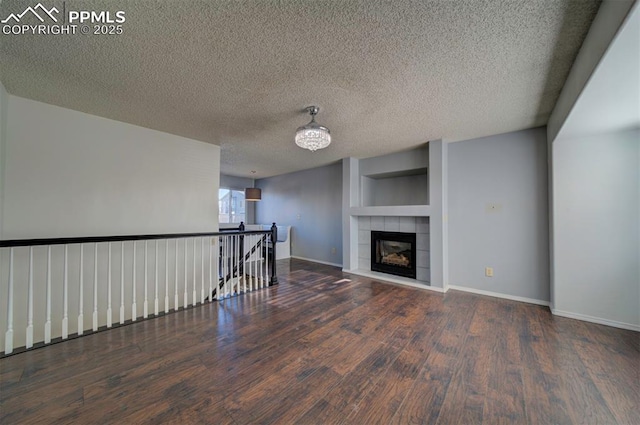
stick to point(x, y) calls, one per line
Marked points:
point(389, 193)
point(406, 187)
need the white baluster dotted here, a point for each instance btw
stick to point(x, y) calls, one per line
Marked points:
point(81, 293)
point(166, 277)
point(122, 282)
point(249, 264)
point(156, 306)
point(175, 295)
point(47, 324)
point(226, 266)
point(8, 336)
point(109, 317)
point(254, 278)
point(230, 285)
point(254, 263)
point(145, 304)
point(237, 251)
point(186, 297)
point(65, 295)
point(210, 242)
point(222, 259)
point(194, 272)
point(266, 254)
point(223, 272)
point(244, 262)
point(29, 339)
point(95, 287)
point(202, 270)
point(134, 304)
point(266, 266)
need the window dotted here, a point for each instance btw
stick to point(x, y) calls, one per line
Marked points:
point(231, 206)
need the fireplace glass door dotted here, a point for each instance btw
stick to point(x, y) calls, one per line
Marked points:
point(394, 253)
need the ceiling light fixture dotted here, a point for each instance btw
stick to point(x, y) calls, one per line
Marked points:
point(313, 136)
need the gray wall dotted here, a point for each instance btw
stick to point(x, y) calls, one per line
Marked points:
point(597, 226)
point(311, 202)
point(498, 214)
point(240, 183)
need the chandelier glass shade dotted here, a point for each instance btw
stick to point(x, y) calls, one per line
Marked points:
point(313, 136)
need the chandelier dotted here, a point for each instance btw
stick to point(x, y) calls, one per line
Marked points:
point(313, 136)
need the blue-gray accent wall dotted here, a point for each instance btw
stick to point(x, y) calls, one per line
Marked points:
point(311, 202)
point(498, 203)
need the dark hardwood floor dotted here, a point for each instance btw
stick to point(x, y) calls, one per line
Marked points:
point(318, 349)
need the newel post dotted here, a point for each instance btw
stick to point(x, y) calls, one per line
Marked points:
point(241, 250)
point(274, 239)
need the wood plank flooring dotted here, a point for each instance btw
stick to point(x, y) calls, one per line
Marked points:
point(314, 350)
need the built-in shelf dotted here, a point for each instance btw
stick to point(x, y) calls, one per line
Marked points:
point(402, 187)
point(392, 210)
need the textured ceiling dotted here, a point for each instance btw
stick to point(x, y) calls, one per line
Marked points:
point(388, 75)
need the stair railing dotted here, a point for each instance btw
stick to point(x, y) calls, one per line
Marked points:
point(51, 283)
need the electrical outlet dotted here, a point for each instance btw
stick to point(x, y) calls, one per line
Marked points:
point(333, 250)
point(488, 271)
point(298, 216)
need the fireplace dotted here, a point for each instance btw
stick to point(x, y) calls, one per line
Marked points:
point(394, 253)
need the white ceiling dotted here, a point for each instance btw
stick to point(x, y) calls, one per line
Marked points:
point(388, 75)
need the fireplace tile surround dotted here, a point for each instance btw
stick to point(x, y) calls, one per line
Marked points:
point(418, 225)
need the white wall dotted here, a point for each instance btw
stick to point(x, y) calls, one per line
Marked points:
point(498, 214)
point(311, 202)
point(73, 174)
point(597, 227)
point(594, 161)
point(3, 136)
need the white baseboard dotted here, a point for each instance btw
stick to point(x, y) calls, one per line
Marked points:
point(391, 279)
point(598, 320)
point(316, 261)
point(499, 295)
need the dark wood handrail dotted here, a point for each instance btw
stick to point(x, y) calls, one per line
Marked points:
point(121, 238)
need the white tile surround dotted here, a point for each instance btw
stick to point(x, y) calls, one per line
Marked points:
point(417, 225)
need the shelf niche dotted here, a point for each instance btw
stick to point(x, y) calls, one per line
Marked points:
point(406, 187)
